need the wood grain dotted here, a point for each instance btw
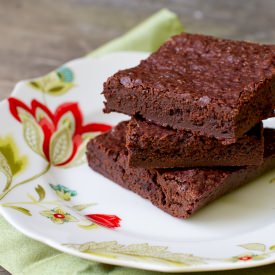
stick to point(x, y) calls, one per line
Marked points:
point(38, 36)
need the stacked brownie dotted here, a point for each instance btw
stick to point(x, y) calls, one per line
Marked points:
point(196, 131)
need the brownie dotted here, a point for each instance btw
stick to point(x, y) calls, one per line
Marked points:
point(179, 192)
point(153, 146)
point(215, 87)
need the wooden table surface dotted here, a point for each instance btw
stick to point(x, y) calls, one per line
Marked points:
point(38, 36)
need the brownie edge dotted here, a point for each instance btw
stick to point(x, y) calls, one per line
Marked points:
point(153, 146)
point(179, 192)
point(215, 87)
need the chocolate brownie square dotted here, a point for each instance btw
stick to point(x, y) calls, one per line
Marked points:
point(179, 192)
point(153, 146)
point(215, 87)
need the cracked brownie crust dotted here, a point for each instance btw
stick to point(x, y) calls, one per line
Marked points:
point(179, 192)
point(212, 86)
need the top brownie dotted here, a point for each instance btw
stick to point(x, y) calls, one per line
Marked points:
point(215, 87)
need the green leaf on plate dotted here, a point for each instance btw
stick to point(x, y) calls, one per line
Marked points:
point(272, 248)
point(144, 251)
point(32, 198)
point(16, 162)
point(35, 84)
point(61, 146)
point(66, 196)
point(80, 207)
point(55, 83)
point(40, 191)
point(20, 209)
point(88, 227)
point(33, 135)
point(6, 170)
point(80, 156)
point(254, 246)
point(59, 88)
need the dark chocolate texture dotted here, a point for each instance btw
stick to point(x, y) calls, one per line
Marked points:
point(179, 192)
point(153, 146)
point(216, 87)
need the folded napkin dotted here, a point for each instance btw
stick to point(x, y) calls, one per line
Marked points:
point(22, 255)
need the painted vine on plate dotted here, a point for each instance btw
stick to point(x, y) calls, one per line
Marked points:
point(55, 83)
point(58, 212)
point(140, 252)
point(12, 163)
point(257, 252)
point(146, 252)
point(59, 137)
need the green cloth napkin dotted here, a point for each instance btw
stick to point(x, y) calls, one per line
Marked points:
point(22, 255)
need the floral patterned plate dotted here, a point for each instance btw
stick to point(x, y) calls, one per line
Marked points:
point(48, 192)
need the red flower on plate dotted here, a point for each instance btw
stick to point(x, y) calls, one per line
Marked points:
point(245, 258)
point(60, 137)
point(110, 221)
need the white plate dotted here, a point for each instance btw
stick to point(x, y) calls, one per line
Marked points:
point(48, 200)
